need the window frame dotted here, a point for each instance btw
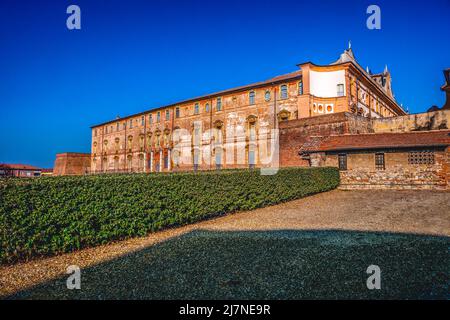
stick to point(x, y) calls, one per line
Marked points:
point(342, 162)
point(281, 91)
point(338, 92)
point(252, 97)
point(380, 161)
point(219, 104)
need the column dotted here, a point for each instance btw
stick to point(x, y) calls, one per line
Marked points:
point(160, 160)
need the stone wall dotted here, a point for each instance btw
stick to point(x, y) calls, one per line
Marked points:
point(72, 164)
point(437, 120)
point(398, 174)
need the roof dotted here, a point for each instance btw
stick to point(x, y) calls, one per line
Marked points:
point(18, 166)
point(280, 78)
point(438, 138)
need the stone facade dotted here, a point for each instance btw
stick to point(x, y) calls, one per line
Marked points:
point(437, 120)
point(399, 173)
point(72, 164)
point(237, 128)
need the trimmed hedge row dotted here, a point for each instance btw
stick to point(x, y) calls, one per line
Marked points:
point(46, 216)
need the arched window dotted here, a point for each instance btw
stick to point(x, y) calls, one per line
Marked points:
point(150, 118)
point(207, 107)
point(252, 132)
point(284, 91)
point(196, 109)
point(251, 97)
point(129, 162)
point(167, 115)
point(251, 157)
point(142, 120)
point(131, 123)
point(267, 95)
point(116, 163)
point(177, 112)
point(218, 157)
point(141, 162)
point(117, 126)
point(196, 158)
point(300, 87)
point(158, 116)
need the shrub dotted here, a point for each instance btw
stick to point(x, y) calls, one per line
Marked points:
point(52, 215)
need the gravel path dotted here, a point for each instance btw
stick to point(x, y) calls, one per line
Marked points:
point(244, 254)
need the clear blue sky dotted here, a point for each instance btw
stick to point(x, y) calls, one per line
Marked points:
point(134, 55)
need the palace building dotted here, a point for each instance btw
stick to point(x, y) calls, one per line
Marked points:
point(229, 129)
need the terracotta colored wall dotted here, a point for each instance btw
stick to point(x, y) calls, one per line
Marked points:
point(293, 134)
point(72, 164)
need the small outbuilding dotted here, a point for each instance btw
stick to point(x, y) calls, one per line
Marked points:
point(406, 160)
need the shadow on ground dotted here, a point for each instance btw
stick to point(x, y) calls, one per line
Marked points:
point(284, 264)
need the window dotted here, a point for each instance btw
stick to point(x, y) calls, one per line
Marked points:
point(421, 157)
point(106, 129)
point(207, 107)
point(379, 161)
point(300, 87)
point(340, 90)
point(117, 126)
point(267, 95)
point(150, 118)
point(166, 162)
point(95, 132)
point(251, 158)
point(219, 104)
point(218, 158)
point(124, 125)
point(342, 161)
point(142, 120)
point(158, 117)
point(167, 115)
point(177, 112)
point(284, 91)
point(251, 97)
point(131, 123)
point(196, 110)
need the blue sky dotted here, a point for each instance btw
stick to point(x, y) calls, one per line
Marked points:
point(134, 55)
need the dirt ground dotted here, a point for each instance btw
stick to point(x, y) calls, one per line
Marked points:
point(348, 218)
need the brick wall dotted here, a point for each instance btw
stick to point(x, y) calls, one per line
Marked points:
point(72, 164)
point(293, 134)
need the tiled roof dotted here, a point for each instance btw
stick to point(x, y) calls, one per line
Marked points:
point(18, 166)
point(439, 138)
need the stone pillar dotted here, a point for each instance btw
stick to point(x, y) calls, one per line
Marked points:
point(160, 160)
point(151, 161)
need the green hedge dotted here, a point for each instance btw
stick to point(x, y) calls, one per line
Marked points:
point(52, 215)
